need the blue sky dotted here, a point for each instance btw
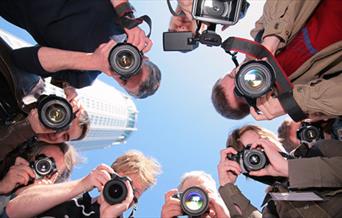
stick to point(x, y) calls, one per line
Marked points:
point(178, 125)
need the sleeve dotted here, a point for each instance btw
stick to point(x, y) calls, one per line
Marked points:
point(233, 197)
point(27, 59)
point(277, 19)
point(318, 171)
point(11, 136)
point(320, 96)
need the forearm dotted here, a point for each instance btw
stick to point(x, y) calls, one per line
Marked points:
point(53, 60)
point(43, 197)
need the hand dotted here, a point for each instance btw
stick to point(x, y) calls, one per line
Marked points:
point(137, 37)
point(97, 178)
point(100, 57)
point(278, 165)
point(228, 170)
point(35, 123)
point(71, 96)
point(269, 106)
point(171, 207)
point(19, 174)
point(107, 210)
point(220, 209)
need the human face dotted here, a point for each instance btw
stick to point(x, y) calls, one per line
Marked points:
point(138, 186)
point(202, 183)
point(228, 84)
point(182, 24)
point(56, 153)
point(74, 132)
point(250, 137)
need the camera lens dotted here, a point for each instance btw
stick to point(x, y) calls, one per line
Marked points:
point(115, 191)
point(54, 112)
point(194, 201)
point(254, 159)
point(43, 167)
point(125, 59)
point(215, 8)
point(254, 79)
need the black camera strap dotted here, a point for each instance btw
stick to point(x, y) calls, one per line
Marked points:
point(256, 50)
point(173, 12)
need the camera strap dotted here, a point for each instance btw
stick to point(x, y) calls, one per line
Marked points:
point(173, 12)
point(284, 86)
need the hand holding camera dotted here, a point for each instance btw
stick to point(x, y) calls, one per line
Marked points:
point(228, 170)
point(277, 166)
point(97, 178)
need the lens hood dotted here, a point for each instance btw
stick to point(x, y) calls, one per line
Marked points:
point(115, 190)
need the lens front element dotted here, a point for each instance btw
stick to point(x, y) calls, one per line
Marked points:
point(194, 201)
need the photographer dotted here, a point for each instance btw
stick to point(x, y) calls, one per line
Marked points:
point(79, 56)
point(316, 173)
point(32, 164)
point(140, 172)
point(289, 30)
point(216, 208)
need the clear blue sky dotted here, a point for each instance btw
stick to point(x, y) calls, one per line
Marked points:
point(178, 125)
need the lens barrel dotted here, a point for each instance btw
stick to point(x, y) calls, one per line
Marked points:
point(115, 190)
point(194, 201)
point(254, 79)
point(254, 159)
point(54, 112)
point(43, 166)
point(125, 59)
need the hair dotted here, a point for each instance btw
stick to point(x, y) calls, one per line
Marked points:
point(222, 105)
point(31, 148)
point(284, 135)
point(83, 123)
point(151, 84)
point(234, 138)
point(209, 181)
point(135, 162)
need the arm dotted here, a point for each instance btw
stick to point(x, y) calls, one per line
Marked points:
point(323, 96)
point(43, 197)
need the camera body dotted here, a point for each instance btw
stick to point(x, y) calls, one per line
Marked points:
point(250, 159)
point(194, 201)
point(125, 59)
point(225, 12)
point(309, 133)
point(54, 112)
point(43, 166)
point(115, 190)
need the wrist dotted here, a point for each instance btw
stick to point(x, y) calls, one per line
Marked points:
point(271, 43)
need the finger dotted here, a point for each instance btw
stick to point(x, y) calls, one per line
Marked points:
point(255, 115)
point(140, 42)
point(105, 167)
point(148, 45)
point(262, 172)
point(170, 193)
point(226, 151)
point(21, 161)
point(232, 166)
point(28, 171)
point(131, 38)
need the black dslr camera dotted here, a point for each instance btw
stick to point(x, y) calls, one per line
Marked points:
point(309, 133)
point(194, 201)
point(211, 12)
point(115, 190)
point(250, 159)
point(43, 166)
point(54, 112)
point(125, 59)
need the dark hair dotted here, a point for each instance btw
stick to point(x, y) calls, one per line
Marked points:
point(151, 84)
point(284, 136)
point(223, 107)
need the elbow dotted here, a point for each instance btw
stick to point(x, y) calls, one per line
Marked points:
point(11, 210)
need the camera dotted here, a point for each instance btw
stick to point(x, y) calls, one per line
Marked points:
point(126, 60)
point(226, 12)
point(43, 166)
point(309, 132)
point(194, 201)
point(212, 12)
point(250, 159)
point(115, 190)
point(54, 112)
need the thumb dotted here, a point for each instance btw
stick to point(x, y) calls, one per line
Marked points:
point(262, 172)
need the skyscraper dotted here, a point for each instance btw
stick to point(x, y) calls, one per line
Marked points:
point(112, 113)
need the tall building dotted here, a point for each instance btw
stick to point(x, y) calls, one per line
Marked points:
point(112, 113)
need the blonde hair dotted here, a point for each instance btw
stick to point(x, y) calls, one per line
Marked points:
point(135, 162)
point(234, 138)
point(205, 177)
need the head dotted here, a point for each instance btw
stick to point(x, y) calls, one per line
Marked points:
point(142, 170)
point(287, 134)
point(63, 154)
point(77, 131)
point(204, 181)
point(182, 24)
point(144, 83)
point(225, 101)
point(241, 137)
